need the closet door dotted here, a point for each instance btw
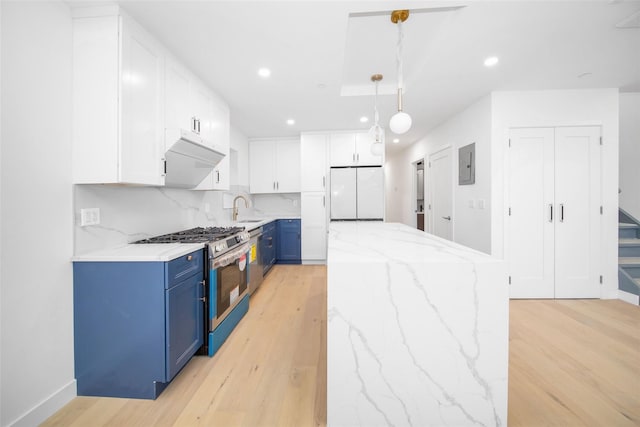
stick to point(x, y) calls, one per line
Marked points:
point(530, 234)
point(577, 198)
point(553, 223)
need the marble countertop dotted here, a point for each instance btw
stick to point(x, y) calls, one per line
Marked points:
point(417, 329)
point(141, 252)
point(166, 251)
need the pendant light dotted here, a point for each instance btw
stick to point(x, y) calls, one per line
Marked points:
point(376, 130)
point(400, 122)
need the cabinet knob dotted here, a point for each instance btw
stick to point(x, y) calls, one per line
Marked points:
point(189, 257)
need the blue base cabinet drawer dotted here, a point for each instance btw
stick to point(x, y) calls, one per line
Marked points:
point(288, 241)
point(135, 325)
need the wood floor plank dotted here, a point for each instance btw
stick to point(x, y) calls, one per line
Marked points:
point(571, 363)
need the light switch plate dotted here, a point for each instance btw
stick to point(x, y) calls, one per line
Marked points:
point(89, 216)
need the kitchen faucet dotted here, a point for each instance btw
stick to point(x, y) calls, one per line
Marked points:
point(235, 206)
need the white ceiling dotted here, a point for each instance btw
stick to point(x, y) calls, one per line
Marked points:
point(322, 54)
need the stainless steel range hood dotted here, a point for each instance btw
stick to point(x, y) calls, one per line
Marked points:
point(188, 160)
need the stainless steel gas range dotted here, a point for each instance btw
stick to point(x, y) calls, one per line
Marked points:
point(226, 278)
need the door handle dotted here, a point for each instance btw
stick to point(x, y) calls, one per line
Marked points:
point(448, 218)
point(561, 212)
point(550, 212)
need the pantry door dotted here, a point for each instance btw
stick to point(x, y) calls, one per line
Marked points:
point(553, 213)
point(577, 198)
point(530, 234)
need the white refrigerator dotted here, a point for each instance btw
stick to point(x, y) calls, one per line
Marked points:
point(357, 193)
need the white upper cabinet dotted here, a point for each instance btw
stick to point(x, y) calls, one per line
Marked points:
point(118, 75)
point(365, 157)
point(191, 105)
point(353, 149)
point(274, 166)
point(313, 162)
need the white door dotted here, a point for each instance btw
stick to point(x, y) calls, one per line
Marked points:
point(313, 161)
point(364, 156)
point(262, 167)
point(288, 166)
point(553, 223)
point(370, 187)
point(577, 226)
point(441, 189)
point(142, 141)
point(342, 149)
point(530, 213)
point(343, 193)
point(314, 226)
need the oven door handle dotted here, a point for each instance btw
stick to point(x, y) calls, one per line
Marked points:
point(230, 257)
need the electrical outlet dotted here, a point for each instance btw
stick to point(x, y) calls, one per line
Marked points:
point(89, 216)
point(471, 204)
point(481, 204)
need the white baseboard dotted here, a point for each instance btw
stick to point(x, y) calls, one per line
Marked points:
point(628, 297)
point(314, 261)
point(47, 407)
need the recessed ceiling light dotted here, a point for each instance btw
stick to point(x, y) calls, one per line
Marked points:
point(491, 61)
point(291, 122)
point(364, 119)
point(396, 140)
point(264, 72)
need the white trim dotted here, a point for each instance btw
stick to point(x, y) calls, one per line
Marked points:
point(47, 407)
point(628, 297)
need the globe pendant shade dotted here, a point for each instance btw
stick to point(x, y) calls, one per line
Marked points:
point(400, 123)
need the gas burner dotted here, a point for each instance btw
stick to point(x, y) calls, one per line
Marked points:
point(195, 235)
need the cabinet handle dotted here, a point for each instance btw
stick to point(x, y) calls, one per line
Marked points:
point(217, 177)
point(358, 157)
point(323, 181)
point(561, 212)
point(198, 126)
point(353, 156)
point(193, 123)
point(202, 299)
point(274, 185)
point(277, 185)
point(164, 166)
point(323, 199)
point(550, 212)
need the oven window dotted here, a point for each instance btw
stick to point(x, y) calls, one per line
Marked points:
point(231, 284)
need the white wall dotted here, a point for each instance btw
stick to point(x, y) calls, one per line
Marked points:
point(36, 223)
point(560, 108)
point(630, 153)
point(472, 226)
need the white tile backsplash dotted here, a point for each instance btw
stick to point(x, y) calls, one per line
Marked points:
point(132, 213)
point(285, 204)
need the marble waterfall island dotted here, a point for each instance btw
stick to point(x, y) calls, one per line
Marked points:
point(417, 331)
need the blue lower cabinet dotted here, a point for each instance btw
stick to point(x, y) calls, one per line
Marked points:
point(136, 324)
point(288, 241)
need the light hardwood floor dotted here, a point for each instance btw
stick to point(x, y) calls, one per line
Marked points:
point(572, 363)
